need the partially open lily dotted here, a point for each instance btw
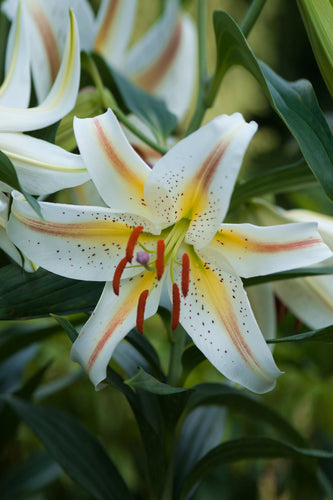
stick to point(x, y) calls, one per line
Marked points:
point(309, 298)
point(42, 167)
point(165, 226)
point(155, 63)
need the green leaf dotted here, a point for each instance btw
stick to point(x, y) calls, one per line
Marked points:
point(75, 449)
point(67, 326)
point(47, 133)
point(151, 110)
point(145, 381)
point(276, 180)
point(245, 448)
point(321, 335)
point(15, 338)
point(30, 476)
point(147, 350)
point(222, 394)
point(301, 272)
point(42, 293)
point(294, 102)
point(8, 176)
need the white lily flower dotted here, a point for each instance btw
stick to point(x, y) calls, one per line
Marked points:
point(172, 216)
point(41, 167)
point(155, 63)
point(309, 298)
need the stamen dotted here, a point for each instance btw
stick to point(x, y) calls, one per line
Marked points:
point(132, 242)
point(175, 306)
point(160, 259)
point(117, 275)
point(140, 314)
point(185, 274)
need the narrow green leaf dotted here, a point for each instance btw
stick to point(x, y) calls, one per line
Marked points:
point(294, 102)
point(222, 394)
point(17, 337)
point(67, 326)
point(30, 476)
point(245, 448)
point(74, 448)
point(151, 110)
point(322, 335)
point(276, 180)
point(42, 293)
point(147, 350)
point(145, 381)
point(301, 272)
point(8, 176)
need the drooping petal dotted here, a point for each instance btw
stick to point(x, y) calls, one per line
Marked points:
point(112, 319)
point(217, 315)
point(116, 169)
point(47, 36)
point(256, 250)
point(163, 62)
point(61, 98)
point(196, 177)
point(325, 222)
point(15, 90)
point(310, 299)
point(114, 22)
point(42, 167)
point(74, 241)
point(5, 244)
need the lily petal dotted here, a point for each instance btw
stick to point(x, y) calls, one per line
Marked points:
point(156, 63)
point(325, 222)
point(47, 36)
point(61, 98)
point(116, 169)
point(218, 316)
point(78, 242)
point(196, 177)
point(112, 319)
point(310, 299)
point(5, 244)
point(42, 167)
point(114, 22)
point(255, 250)
point(15, 90)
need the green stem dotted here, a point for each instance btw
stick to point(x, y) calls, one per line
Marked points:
point(202, 57)
point(108, 101)
point(123, 119)
point(176, 352)
point(252, 16)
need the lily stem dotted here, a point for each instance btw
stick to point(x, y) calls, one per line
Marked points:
point(176, 352)
point(202, 61)
point(209, 86)
point(251, 16)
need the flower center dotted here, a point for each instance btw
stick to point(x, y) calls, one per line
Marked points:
point(155, 261)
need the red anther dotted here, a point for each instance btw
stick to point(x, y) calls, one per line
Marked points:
point(140, 313)
point(160, 259)
point(132, 242)
point(185, 274)
point(117, 275)
point(175, 306)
